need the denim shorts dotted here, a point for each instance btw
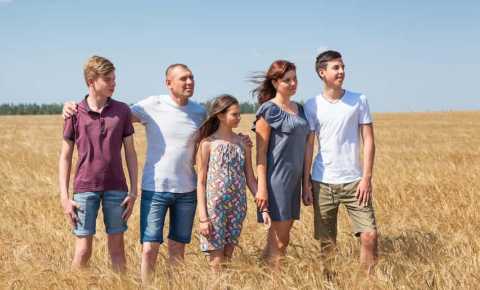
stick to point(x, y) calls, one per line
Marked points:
point(153, 209)
point(89, 203)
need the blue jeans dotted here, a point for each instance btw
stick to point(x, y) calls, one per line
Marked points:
point(153, 209)
point(89, 203)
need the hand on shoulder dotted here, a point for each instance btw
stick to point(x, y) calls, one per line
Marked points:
point(69, 109)
point(245, 141)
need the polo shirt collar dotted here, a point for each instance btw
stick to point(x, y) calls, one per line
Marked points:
point(85, 105)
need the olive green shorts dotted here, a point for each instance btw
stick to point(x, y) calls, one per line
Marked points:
point(326, 200)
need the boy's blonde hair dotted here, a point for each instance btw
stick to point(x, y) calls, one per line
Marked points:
point(97, 66)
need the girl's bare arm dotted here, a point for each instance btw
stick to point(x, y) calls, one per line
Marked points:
point(202, 158)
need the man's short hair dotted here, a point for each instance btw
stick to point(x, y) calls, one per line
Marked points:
point(97, 66)
point(172, 66)
point(323, 58)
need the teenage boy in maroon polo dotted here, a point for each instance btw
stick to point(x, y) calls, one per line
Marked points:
point(99, 129)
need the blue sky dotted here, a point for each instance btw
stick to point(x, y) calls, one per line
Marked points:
point(404, 55)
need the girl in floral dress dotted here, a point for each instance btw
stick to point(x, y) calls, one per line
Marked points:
point(224, 168)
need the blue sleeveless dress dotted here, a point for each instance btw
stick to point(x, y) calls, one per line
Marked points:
point(285, 159)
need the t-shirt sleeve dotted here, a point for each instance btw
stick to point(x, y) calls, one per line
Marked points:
point(311, 115)
point(364, 117)
point(140, 110)
point(69, 129)
point(272, 115)
point(128, 128)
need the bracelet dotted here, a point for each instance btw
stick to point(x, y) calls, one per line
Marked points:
point(132, 195)
point(265, 210)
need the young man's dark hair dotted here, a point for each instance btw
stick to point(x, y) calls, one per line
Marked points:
point(323, 59)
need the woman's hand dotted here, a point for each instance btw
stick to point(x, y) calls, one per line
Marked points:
point(261, 199)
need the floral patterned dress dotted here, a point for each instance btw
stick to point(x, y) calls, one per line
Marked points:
point(225, 193)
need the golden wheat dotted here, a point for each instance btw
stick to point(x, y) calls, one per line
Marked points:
point(426, 180)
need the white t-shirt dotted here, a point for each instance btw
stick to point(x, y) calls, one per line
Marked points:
point(170, 130)
point(338, 133)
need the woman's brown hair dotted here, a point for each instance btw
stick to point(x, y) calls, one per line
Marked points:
point(265, 89)
point(219, 106)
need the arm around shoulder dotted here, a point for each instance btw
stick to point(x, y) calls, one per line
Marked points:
point(140, 111)
point(69, 109)
point(135, 119)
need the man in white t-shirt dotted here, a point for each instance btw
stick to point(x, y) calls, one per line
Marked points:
point(341, 121)
point(169, 179)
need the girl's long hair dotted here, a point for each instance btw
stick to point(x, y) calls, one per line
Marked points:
point(219, 106)
point(265, 89)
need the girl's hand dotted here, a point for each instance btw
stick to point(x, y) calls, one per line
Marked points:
point(205, 228)
point(267, 221)
point(261, 199)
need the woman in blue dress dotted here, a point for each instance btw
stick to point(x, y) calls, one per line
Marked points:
point(281, 136)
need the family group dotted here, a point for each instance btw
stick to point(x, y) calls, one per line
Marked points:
point(195, 159)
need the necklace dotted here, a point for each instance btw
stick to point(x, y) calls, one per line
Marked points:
point(332, 101)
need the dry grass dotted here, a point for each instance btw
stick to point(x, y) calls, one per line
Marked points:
point(426, 187)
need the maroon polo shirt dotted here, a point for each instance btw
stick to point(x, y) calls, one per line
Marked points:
point(99, 139)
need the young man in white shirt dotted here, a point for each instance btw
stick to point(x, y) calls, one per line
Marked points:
point(341, 121)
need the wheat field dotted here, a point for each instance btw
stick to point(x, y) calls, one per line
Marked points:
point(426, 182)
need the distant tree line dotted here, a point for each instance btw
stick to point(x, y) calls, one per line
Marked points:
point(31, 109)
point(56, 108)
